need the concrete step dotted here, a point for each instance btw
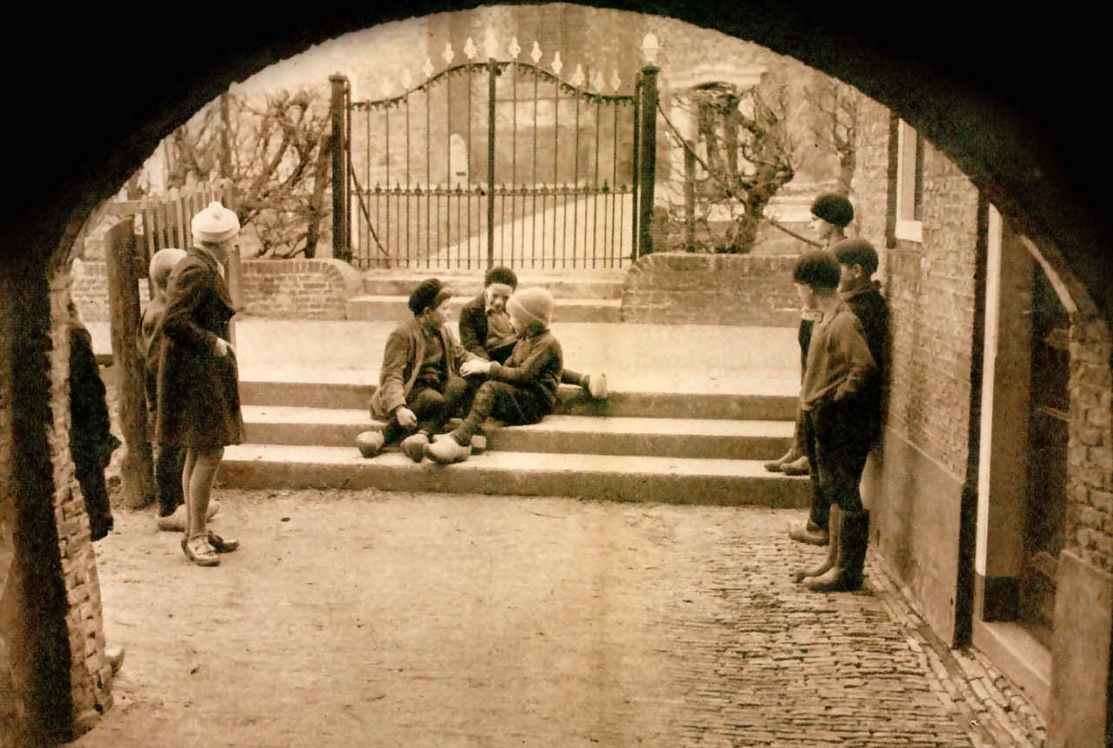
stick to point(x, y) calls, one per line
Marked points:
point(573, 401)
point(672, 480)
point(396, 308)
point(564, 285)
point(663, 437)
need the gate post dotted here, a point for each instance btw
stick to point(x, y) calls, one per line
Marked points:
point(123, 298)
point(341, 248)
point(647, 162)
point(493, 71)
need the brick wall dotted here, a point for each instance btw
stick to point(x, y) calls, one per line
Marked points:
point(304, 289)
point(90, 673)
point(1090, 450)
point(930, 288)
point(705, 289)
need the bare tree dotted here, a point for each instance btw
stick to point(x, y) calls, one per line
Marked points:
point(836, 124)
point(274, 155)
point(750, 154)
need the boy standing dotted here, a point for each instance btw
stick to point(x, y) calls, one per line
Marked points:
point(169, 458)
point(420, 386)
point(520, 391)
point(837, 399)
point(485, 329)
point(831, 214)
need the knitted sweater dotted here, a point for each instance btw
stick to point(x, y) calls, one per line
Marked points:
point(840, 365)
point(536, 363)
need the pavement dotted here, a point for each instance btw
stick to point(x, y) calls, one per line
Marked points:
point(361, 618)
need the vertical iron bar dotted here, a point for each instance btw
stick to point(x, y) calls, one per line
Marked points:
point(513, 159)
point(468, 149)
point(447, 243)
point(595, 189)
point(339, 153)
point(614, 186)
point(556, 164)
point(386, 116)
point(635, 167)
point(533, 178)
point(492, 71)
point(428, 177)
point(575, 191)
point(648, 158)
point(689, 196)
point(348, 167)
point(408, 221)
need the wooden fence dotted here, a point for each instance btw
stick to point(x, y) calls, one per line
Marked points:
point(162, 222)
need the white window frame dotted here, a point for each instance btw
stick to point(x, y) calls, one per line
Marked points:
point(907, 230)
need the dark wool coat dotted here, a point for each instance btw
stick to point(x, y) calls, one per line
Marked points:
point(91, 441)
point(871, 309)
point(198, 391)
point(402, 357)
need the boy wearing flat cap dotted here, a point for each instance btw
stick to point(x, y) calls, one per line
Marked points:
point(836, 398)
point(520, 391)
point(420, 386)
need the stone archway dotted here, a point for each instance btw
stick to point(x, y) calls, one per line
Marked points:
point(997, 146)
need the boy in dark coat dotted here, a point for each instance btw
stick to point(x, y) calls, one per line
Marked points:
point(420, 386)
point(169, 457)
point(523, 390)
point(91, 441)
point(485, 329)
point(837, 398)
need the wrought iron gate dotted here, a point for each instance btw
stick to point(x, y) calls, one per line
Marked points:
point(496, 162)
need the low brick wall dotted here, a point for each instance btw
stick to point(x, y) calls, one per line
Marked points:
point(302, 289)
point(705, 289)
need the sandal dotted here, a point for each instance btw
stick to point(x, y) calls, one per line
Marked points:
point(220, 545)
point(199, 551)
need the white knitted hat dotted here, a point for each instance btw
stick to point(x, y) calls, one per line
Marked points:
point(215, 224)
point(534, 305)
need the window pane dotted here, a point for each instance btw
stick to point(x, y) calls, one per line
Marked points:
point(906, 199)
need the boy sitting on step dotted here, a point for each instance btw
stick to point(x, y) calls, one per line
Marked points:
point(520, 391)
point(485, 329)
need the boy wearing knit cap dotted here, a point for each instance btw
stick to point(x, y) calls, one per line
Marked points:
point(520, 391)
point(169, 458)
point(835, 399)
point(420, 386)
point(831, 214)
point(485, 329)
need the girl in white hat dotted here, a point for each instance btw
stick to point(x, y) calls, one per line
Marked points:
point(198, 404)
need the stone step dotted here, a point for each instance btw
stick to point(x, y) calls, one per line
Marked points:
point(573, 401)
point(664, 437)
point(673, 480)
point(605, 285)
point(396, 309)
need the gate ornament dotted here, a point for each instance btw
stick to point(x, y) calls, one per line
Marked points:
point(597, 81)
point(469, 49)
point(557, 64)
point(427, 68)
point(535, 55)
point(514, 49)
point(578, 76)
point(448, 55)
point(650, 48)
point(615, 81)
point(407, 79)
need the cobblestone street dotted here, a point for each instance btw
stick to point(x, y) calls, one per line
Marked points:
point(373, 619)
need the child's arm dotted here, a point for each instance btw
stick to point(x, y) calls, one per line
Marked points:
point(392, 382)
point(469, 334)
point(852, 345)
point(529, 371)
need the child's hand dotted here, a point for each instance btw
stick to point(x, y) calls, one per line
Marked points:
point(221, 347)
point(475, 366)
point(406, 417)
